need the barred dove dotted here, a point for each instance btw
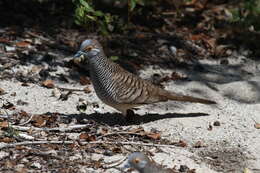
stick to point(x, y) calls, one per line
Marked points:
point(143, 164)
point(119, 88)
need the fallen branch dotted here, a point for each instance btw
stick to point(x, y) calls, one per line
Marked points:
point(119, 133)
point(7, 145)
point(60, 129)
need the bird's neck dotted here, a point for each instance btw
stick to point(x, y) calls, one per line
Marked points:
point(102, 70)
point(101, 64)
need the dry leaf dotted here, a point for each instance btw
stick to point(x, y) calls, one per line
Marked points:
point(199, 144)
point(117, 150)
point(4, 124)
point(4, 40)
point(48, 84)
point(87, 137)
point(2, 91)
point(154, 136)
point(39, 121)
point(23, 113)
point(84, 80)
point(87, 90)
point(257, 125)
point(181, 144)
point(22, 44)
point(7, 140)
point(137, 130)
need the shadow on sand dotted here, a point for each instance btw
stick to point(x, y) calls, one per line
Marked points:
point(113, 119)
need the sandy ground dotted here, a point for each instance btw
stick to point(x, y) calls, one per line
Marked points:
point(230, 147)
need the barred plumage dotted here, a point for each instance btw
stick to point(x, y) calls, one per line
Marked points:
point(120, 88)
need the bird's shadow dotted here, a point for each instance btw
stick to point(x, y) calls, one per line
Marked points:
point(113, 119)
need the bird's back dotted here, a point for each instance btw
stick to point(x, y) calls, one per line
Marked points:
point(115, 85)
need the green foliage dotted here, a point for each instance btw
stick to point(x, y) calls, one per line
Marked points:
point(11, 132)
point(248, 13)
point(85, 14)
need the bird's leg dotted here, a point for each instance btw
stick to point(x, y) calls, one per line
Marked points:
point(129, 115)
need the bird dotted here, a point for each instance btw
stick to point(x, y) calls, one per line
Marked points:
point(143, 164)
point(119, 88)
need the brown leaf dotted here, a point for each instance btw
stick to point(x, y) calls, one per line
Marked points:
point(23, 113)
point(137, 130)
point(39, 121)
point(199, 144)
point(7, 140)
point(22, 44)
point(2, 91)
point(87, 137)
point(4, 40)
point(84, 80)
point(257, 125)
point(4, 124)
point(181, 144)
point(10, 164)
point(25, 84)
point(154, 136)
point(87, 90)
point(48, 84)
point(117, 150)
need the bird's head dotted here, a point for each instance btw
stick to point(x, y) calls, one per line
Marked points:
point(89, 48)
point(137, 161)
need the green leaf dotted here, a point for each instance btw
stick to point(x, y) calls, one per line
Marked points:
point(91, 17)
point(114, 58)
point(87, 6)
point(132, 5)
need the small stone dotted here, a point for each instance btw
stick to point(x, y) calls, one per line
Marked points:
point(173, 50)
point(9, 48)
point(224, 62)
point(3, 154)
point(183, 168)
point(216, 123)
point(56, 93)
point(2, 91)
point(36, 165)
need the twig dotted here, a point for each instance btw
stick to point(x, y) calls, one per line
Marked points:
point(61, 129)
point(6, 145)
point(39, 37)
point(27, 120)
point(50, 42)
point(119, 133)
point(119, 162)
point(70, 89)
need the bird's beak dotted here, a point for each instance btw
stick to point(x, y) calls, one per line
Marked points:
point(78, 54)
point(79, 57)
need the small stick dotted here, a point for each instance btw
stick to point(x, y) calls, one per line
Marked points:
point(61, 129)
point(119, 133)
point(27, 120)
point(7, 145)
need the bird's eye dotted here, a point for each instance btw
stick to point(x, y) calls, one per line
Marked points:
point(136, 160)
point(89, 48)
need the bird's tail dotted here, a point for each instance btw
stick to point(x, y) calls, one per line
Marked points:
point(184, 98)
